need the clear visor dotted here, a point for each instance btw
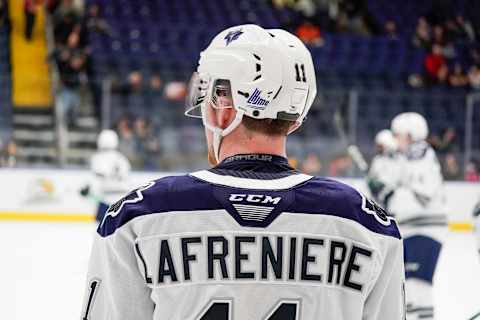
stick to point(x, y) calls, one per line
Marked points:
point(204, 94)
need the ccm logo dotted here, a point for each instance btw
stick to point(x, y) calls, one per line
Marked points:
point(255, 198)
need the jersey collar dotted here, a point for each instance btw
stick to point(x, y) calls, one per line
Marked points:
point(254, 162)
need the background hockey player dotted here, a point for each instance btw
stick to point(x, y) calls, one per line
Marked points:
point(384, 173)
point(110, 171)
point(418, 207)
point(476, 224)
point(251, 238)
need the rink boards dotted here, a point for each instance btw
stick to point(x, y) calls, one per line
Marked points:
point(54, 195)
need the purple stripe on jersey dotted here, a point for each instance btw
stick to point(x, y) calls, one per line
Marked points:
point(252, 208)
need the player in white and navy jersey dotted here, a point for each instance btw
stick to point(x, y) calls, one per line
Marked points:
point(476, 223)
point(417, 204)
point(384, 173)
point(250, 238)
point(110, 170)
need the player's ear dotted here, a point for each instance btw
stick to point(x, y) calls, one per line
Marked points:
point(225, 117)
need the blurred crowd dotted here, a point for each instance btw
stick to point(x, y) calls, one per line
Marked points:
point(135, 92)
point(72, 26)
point(441, 38)
point(8, 153)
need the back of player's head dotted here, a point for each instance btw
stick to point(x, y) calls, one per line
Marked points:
point(267, 76)
point(410, 124)
point(107, 140)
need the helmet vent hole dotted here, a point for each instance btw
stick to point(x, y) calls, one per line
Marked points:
point(256, 113)
point(257, 57)
point(272, 35)
point(257, 77)
point(259, 67)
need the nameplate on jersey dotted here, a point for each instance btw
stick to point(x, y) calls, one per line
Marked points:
point(250, 256)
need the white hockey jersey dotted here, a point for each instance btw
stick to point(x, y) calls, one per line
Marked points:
point(111, 170)
point(249, 239)
point(418, 202)
point(383, 177)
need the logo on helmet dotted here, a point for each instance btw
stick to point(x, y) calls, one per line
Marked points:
point(256, 100)
point(232, 35)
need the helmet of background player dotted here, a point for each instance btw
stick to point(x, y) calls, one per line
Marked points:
point(107, 140)
point(386, 141)
point(262, 74)
point(408, 128)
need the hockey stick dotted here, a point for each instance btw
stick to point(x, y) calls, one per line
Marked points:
point(352, 149)
point(357, 158)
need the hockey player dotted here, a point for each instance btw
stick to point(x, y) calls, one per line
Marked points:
point(251, 238)
point(111, 170)
point(418, 207)
point(384, 174)
point(476, 222)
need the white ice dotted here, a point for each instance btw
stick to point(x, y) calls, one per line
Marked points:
point(43, 268)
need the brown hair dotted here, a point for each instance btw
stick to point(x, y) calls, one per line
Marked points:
point(269, 127)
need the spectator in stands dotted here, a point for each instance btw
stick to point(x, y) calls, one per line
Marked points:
point(175, 91)
point(8, 154)
point(67, 21)
point(422, 37)
point(310, 34)
point(311, 164)
point(131, 92)
point(156, 82)
point(446, 142)
point(127, 144)
point(147, 145)
point(30, 8)
point(436, 66)
point(341, 166)
point(465, 28)
point(472, 172)
point(474, 77)
point(154, 92)
point(458, 78)
point(71, 63)
point(92, 22)
point(390, 30)
point(450, 167)
point(3, 13)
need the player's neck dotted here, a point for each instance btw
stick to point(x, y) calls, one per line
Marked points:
point(259, 145)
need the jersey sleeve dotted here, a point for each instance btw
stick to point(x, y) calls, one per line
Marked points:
point(387, 296)
point(116, 286)
point(116, 289)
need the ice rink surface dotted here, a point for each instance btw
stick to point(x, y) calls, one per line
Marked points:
point(43, 268)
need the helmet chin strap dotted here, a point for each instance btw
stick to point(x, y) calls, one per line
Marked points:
point(219, 133)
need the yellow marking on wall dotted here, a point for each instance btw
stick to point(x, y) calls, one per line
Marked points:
point(460, 226)
point(84, 217)
point(30, 75)
point(45, 216)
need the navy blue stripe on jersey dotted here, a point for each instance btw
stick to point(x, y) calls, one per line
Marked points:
point(330, 197)
point(175, 193)
point(185, 193)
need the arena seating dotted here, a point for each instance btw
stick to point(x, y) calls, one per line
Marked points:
point(165, 37)
point(5, 83)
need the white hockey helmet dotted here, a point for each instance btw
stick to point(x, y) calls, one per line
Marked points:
point(386, 139)
point(107, 140)
point(410, 124)
point(305, 62)
point(266, 75)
